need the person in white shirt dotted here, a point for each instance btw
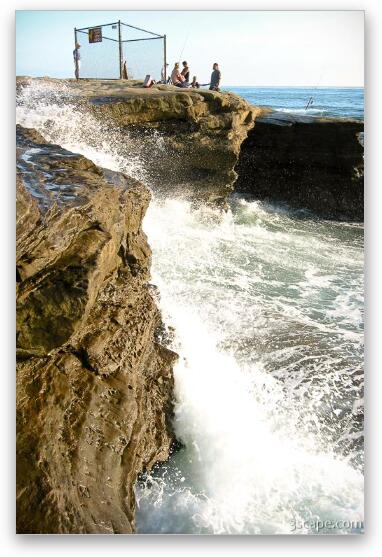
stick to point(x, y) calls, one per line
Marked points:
point(77, 60)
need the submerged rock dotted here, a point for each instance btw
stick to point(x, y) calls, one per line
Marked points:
point(94, 384)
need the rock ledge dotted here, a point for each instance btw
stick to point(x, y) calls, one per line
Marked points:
point(94, 382)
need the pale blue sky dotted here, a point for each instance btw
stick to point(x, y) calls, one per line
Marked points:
point(253, 48)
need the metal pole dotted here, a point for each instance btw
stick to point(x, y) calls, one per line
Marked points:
point(77, 71)
point(144, 30)
point(102, 25)
point(120, 50)
point(165, 57)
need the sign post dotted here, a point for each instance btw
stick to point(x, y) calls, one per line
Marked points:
point(165, 57)
point(120, 51)
point(77, 69)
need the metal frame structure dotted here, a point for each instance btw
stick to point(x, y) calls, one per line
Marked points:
point(120, 42)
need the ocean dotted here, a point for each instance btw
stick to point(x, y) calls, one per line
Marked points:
point(267, 308)
point(328, 102)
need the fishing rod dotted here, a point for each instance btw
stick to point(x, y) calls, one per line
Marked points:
point(181, 52)
point(310, 101)
point(184, 46)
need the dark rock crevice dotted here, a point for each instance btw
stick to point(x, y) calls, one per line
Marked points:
point(307, 163)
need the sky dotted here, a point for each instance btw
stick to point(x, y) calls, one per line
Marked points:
point(254, 48)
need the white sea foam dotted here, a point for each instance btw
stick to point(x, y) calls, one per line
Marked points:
point(55, 111)
point(307, 111)
point(257, 451)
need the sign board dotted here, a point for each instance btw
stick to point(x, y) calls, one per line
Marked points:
point(95, 35)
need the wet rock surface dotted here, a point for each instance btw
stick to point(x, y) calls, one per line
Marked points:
point(201, 131)
point(202, 145)
point(94, 382)
point(305, 162)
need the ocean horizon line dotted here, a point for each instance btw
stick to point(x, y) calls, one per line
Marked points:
point(301, 86)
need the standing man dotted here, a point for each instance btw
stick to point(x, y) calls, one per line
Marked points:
point(125, 75)
point(215, 78)
point(163, 74)
point(77, 60)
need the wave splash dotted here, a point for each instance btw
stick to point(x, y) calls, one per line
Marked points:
point(263, 393)
point(267, 309)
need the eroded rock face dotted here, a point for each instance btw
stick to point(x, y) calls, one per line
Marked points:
point(94, 383)
point(189, 138)
point(306, 162)
point(202, 132)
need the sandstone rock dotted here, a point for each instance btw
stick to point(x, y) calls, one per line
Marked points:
point(209, 146)
point(201, 131)
point(94, 384)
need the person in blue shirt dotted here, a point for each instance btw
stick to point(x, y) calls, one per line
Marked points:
point(77, 60)
point(215, 78)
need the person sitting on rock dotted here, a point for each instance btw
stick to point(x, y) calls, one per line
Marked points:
point(215, 78)
point(177, 78)
point(194, 84)
point(185, 72)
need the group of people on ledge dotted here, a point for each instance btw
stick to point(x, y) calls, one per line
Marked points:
point(177, 78)
point(182, 78)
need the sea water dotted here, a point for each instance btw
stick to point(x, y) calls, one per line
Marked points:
point(267, 305)
point(328, 102)
point(267, 308)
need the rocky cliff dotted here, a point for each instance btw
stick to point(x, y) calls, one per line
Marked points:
point(94, 382)
point(202, 145)
point(306, 162)
point(202, 132)
point(189, 138)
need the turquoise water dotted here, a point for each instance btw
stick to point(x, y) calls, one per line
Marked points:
point(342, 102)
